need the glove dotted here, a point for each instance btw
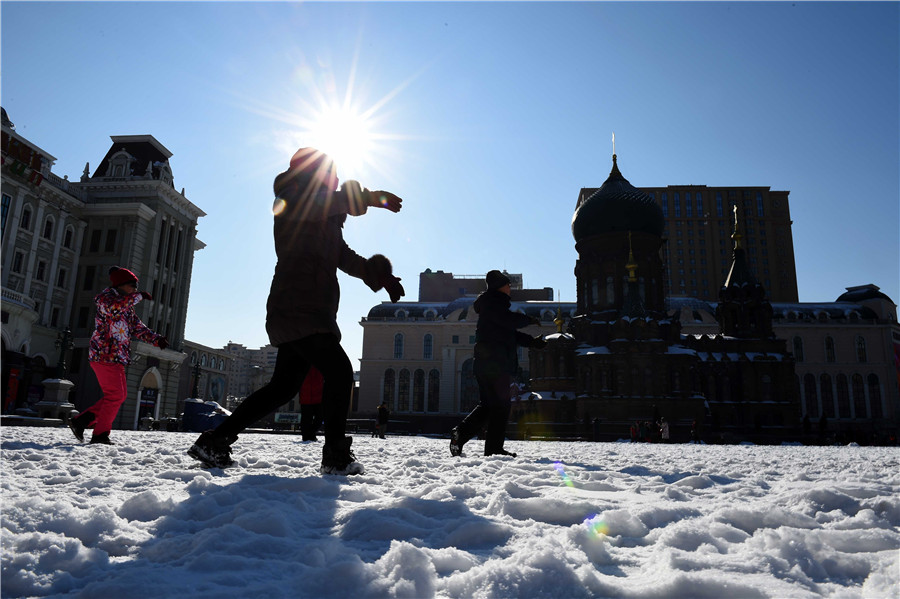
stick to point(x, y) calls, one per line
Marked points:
point(394, 288)
point(538, 343)
point(162, 343)
point(377, 270)
point(145, 295)
point(385, 199)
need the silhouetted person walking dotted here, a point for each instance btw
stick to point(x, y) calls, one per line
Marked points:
point(496, 362)
point(302, 307)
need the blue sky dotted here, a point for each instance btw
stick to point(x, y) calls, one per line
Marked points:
point(487, 118)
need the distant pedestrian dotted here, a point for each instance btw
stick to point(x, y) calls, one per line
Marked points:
point(311, 404)
point(115, 324)
point(633, 432)
point(381, 419)
point(496, 340)
point(664, 430)
point(301, 312)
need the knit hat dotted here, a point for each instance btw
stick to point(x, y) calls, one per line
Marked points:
point(495, 280)
point(120, 276)
point(304, 164)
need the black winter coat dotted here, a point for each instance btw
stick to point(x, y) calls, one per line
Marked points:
point(304, 296)
point(496, 337)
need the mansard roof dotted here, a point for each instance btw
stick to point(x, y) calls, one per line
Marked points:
point(144, 148)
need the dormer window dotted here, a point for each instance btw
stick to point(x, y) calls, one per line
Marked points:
point(401, 314)
point(120, 164)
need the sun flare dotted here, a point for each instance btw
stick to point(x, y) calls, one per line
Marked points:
point(345, 134)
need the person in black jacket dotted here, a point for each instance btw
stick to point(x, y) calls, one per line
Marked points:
point(496, 362)
point(301, 312)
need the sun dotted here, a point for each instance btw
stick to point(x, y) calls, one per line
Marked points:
point(344, 133)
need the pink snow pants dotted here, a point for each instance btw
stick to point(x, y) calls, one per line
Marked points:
point(111, 377)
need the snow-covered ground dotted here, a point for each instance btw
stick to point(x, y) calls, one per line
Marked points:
point(141, 519)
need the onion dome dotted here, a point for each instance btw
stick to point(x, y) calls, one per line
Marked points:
point(617, 206)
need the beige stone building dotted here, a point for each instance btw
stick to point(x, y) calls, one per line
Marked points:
point(418, 356)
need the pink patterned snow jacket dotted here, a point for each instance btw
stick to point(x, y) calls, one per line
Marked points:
point(115, 324)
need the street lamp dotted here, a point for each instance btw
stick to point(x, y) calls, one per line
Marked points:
point(64, 342)
point(195, 392)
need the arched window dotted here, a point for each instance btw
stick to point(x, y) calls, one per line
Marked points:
point(798, 349)
point(434, 390)
point(428, 347)
point(829, 349)
point(387, 387)
point(810, 401)
point(843, 396)
point(875, 396)
point(418, 391)
point(68, 237)
point(861, 350)
point(468, 387)
point(398, 346)
point(403, 392)
point(859, 396)
point(47, 232)
point(827, 392)
point(25, 221)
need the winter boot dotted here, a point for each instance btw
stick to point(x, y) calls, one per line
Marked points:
point(101, 439)
point(338, 459)
point(213, 451)
point(456, 443)
point(500, 451)
point(79, 423)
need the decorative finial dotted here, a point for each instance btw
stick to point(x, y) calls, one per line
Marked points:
point(614, 145)
point(631, 265)
point(736, 236)
point(559, 321)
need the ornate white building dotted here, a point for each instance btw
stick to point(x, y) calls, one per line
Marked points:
point(60, 237)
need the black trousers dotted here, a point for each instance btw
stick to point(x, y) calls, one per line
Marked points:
point(493, 408)
point(310, 420)
point(292, 365)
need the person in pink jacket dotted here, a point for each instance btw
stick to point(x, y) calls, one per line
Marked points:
point(110, 351)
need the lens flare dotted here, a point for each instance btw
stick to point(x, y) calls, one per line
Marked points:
point(562, 472)
point(597, 526)
point(278, 206)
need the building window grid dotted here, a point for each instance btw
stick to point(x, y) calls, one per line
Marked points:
point(403, 391)
point(418, 391)
point(398, 346)
point(428, 347)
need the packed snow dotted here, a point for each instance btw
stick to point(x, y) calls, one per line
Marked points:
point(141, 519)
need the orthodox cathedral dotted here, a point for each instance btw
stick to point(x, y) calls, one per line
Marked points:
point(623, 356)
